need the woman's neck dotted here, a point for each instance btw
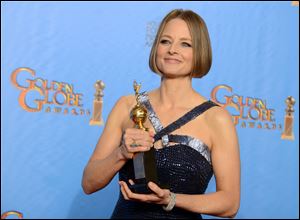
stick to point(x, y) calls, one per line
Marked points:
point(175, 92)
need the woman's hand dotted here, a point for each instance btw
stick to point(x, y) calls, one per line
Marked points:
point(135, 140)
point(159, 196)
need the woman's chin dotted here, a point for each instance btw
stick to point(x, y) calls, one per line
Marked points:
point(173, 75)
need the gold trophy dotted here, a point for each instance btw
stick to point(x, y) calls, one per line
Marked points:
point(143, 162)
point(98, 102)
point(288, 119)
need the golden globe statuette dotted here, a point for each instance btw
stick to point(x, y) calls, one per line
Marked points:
point(98, 102)
point(143, 162)
point(288, 119)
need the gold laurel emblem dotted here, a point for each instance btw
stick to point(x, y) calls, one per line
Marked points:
point(9, 213)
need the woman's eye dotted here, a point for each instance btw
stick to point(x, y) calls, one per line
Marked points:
point(164, 41)
point(185, 44)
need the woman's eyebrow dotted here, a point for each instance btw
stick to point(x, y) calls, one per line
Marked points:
point(183, 38)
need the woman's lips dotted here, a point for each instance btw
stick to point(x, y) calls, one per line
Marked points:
point(172, 60)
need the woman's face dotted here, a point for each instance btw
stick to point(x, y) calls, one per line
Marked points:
point(174, 55)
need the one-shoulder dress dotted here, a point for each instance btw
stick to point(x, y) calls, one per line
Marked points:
point(185, 166)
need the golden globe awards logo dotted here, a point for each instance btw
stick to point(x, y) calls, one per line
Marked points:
point(37, 94)
point(247, 111)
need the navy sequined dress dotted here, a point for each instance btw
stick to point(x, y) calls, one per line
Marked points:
point(185, 167)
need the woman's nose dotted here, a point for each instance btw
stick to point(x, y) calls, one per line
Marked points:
point(172, 49)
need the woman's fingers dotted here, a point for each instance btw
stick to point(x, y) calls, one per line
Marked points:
point(123, 191)
point(136, 140)
point(127, 193)
point(135, 145)
point(157, 190)
point(144, 141)
point(138, 134)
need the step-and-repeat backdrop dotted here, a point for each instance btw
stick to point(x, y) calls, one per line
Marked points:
point(52, 54)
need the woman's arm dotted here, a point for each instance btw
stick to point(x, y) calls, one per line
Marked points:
point(226, 165)
point(110, 154)
point(106, 159)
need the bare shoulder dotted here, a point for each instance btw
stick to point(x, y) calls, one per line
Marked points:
point(124, 103)
point(126, 100)
point(221, 127)
point(120, 111)
point(218, 117)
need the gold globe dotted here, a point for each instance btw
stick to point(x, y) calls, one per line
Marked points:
point(290, 101)
point(139, 115)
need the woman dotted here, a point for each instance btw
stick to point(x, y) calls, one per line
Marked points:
point(193, 138)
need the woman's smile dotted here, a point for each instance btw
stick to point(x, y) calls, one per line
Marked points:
point(172, 61)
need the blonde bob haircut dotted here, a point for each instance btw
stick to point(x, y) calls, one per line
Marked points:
point(202, 53)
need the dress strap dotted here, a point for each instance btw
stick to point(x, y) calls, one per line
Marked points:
point(192, 142)
point(144, 99)
point(195, 112)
